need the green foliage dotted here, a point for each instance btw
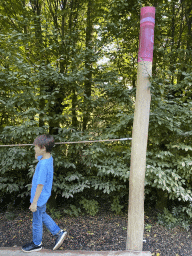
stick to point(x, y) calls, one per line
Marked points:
point(90, 206)
point(55, 214)
point(115, 206)
point(177, 217)
point(72, 210)
point(148, 227)
point(10, 215)
point(167, 218)
point(53, 79)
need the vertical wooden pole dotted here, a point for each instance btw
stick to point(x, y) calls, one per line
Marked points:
point(140, 131)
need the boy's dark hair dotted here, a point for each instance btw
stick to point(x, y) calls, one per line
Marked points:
point(46, 141)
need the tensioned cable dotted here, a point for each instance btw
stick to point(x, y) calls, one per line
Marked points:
point(68, 142)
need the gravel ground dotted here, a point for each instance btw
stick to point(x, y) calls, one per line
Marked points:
point(105, 231)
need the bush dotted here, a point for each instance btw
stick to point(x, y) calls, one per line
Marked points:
point(90, 206)
point(177, 217)
point(72, 210)
point(115, 206)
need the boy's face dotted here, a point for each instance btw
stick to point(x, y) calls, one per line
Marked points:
point(39, 151)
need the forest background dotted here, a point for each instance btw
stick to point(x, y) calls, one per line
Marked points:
point(69, 68)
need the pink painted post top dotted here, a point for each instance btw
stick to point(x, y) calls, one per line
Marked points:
point(146, 37)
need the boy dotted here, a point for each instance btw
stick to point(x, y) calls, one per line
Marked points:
point(40, 193)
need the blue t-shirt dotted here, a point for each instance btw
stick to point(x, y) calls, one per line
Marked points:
point(43, 175)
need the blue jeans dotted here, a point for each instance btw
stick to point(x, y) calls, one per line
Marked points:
point(40, 217)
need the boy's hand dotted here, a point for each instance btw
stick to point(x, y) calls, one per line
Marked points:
point(33, 207)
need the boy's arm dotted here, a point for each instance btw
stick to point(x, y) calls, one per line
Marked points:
point(33, 206)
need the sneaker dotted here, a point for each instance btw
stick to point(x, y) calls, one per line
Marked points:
point(31, 247)
point(59, 239)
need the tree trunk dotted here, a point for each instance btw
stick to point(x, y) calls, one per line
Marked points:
point(36, 7)
point(88, 67)
point(74, 114)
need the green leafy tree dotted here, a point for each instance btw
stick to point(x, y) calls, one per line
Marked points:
point(68, 67)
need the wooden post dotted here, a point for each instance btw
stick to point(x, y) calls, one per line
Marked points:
point(140, 131)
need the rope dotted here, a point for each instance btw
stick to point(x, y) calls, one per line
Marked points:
point(68, 142)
